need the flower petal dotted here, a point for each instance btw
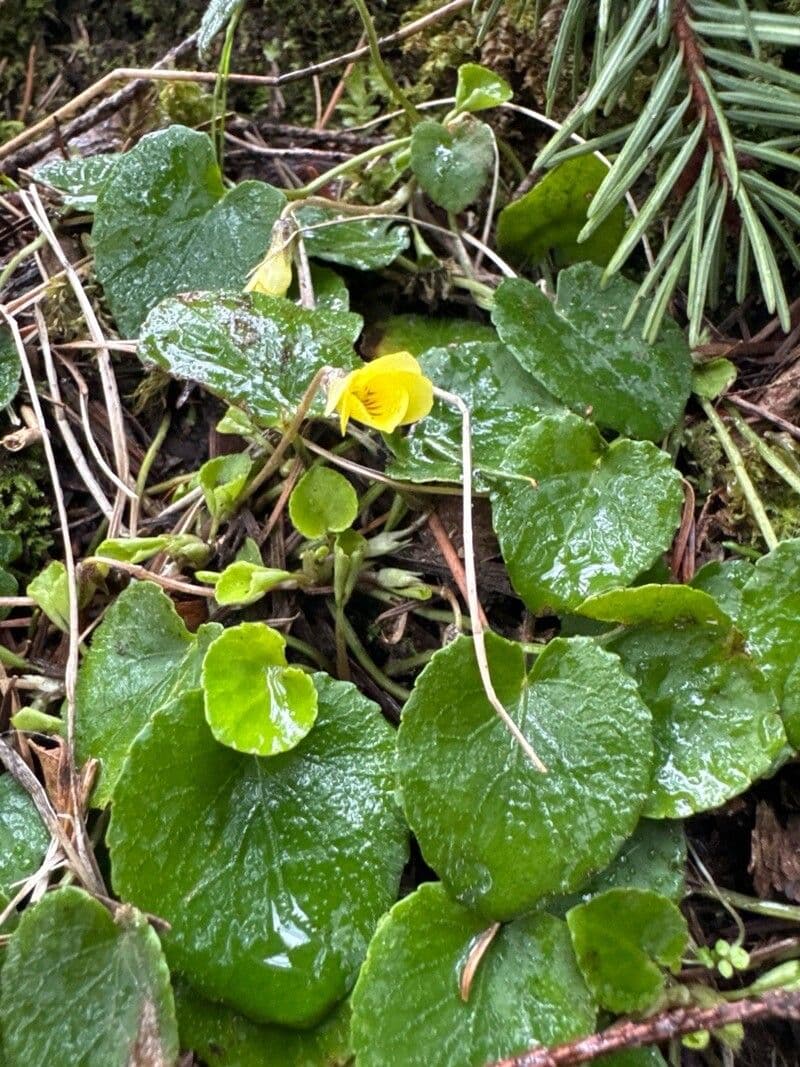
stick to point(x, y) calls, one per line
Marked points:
point(420, 397)
point(336, 389)
point(391, 363)
point(381, 405)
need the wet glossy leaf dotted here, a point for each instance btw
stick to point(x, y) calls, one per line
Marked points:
point(452, 163)
point(79, 179)
point(222, 1037)
point(215, 18)
point(577, 348)
point(501, 397)
point(526, 990)
point(330, 290)
point(655, 604)
point(81, 987)
point(272, 871)
point(770, 619)
point(417, 333)
point(141, 656)
point(623, 939)
point(595, 518)
point(479, 88)
point(254, 702)
point(243, 583)
point(715, 717)
point(9, 368)
point(323, 501)
point(164, 224)
point(256, 351)
point(366, 244)
point(500, 834)
point(712, 378)
point(550, 216)
point(23, 839)
point(724, 581)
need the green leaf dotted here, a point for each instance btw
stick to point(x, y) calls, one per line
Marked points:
point(254, 702)
point(418, 333)
point(243, 583)
point(164, 224)
point(551, 215)
point(10, 547)
point(330, 289)
point(711, 379)
point(500, 834)
point(632, 1057)
point(365, 244)
point(215, 18)
point(271, 871)
point(501, 397)
point(50, 590)
point(654, 604)
point(724, 580)
point(452, 163)
point(770, 618)
point(80, 179)
point(139, 549)
point(81, 987)
point(715, 718)
point(8, 587)
point(623, 939)
point(9, 368)
point(223, 481)
point(141, 656)
point(407, 1009)
point(259, 352)
point(23, 839)
point(580, 351)
point(31, 720)
point(222, 1037)
point(595, 516)
point(323, 501)
point(479, 88)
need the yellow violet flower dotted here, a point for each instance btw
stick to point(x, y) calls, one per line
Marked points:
point(390, 391)
point(273, 275)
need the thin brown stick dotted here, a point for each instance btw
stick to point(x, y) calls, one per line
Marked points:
point(28, 93)
point(451, 558)
point(782, 1003)
point(144, 574)
point(765, 413)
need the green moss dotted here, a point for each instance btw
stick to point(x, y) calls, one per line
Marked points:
point(24, 508)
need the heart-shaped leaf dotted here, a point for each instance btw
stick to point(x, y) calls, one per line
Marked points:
point(271, 871)
point(164, 224)
point(222, 1037)
point(579, 350)
point(479, 88)
point(365, 244)
point(23, 839)
point(715, 718)
point(81, 987)
point(323, 501)
point(254, 702)
point(259, 352)
point(622, 939)
point(526, 990)
point(80, 179)
point(452, 163)
point(501, 398)
point(223, 480)
point(500, 834)
point(592, 518)
point(141, 657)
point(244, 583)
point(551, 215)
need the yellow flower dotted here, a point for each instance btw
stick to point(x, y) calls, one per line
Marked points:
point(273, 275)
point(390, 391)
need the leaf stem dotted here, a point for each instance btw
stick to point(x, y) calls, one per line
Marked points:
point(364, 660)
point(344, 168)
point(381, 66)
point(768, 454)
point(20, 256)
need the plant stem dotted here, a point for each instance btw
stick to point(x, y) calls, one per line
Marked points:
point(364, 661)
point(20, 256)
point(310, 652)
point(409, 663)
point(395, 91)
point(344, 168)
point(150, 456)
point(739, 469)
point(772, 909)
point(221, 90)
point(767, 453)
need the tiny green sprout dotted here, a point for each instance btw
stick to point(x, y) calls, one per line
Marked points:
point(696, 1041)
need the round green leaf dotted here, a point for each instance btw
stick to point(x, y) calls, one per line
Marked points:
point(81, 987)
point(23, 839)
point(222, 1037)
point(452, 163)
point(622, 940)
point(407, 1010)
point(500, 834)
point(770, 618)
point(711, 379)
point(479, 88)
point(715, 718)
point(271, 871)
point(592, 518)
point(164, 224)
point(244, 583)
point(141, 657)
point(253, 701)
point(580, 351)
point(551, 215)
point(323, 501)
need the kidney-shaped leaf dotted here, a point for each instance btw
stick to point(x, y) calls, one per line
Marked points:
point(259, 352)
point(479, 88)
point(622, 939)
point(592, 518)
point(715, 718)
point(500, 834)
point(578, 349)
point(164, 224)
point(254, 702)
point(23, 838)
point(527, 989)
point(272, 871)
point(81, 987)
point(141, 657)
point(452, 163)
point(244, 583)
point(322, 501)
